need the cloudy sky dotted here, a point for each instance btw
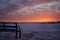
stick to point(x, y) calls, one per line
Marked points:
point(29, 10)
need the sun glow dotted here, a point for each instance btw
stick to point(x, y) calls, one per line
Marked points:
point(36, 19)
point(41, 19)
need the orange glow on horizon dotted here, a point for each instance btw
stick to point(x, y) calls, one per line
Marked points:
point(28, 21)
point(44, 18)
point(41, 20)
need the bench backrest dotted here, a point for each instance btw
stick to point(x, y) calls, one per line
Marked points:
point(8, 25)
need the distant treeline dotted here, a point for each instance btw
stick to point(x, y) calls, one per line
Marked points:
point(31, 22)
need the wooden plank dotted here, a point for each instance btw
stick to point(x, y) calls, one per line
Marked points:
point(10, 26)
point(1, 25)
point(8, 22)
point(7, 30)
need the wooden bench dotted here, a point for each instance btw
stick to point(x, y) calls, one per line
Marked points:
point(4, 27)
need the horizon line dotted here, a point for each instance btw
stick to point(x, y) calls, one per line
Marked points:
point(32, 22)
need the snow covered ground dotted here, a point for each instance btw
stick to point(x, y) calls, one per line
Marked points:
point(35, 32)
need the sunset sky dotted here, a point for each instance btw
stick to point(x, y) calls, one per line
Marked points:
point(29, 10)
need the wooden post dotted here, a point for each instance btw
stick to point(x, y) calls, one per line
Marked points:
point(20, 33)
point(4, 26)
point(16, 31)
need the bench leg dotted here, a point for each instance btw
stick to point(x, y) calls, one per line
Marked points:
point(0, 33)
point(16, 35)
point(20, 34)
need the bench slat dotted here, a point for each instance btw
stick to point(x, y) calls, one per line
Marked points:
point(8, 30)
point(1, 25)
point(11, 26)
point(8, 26)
